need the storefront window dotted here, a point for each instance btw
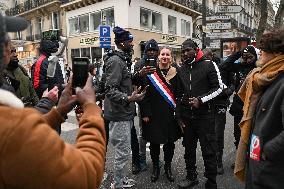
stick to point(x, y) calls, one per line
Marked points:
point(75, 53)
point(85, 52)
point(84, 23)
point(96, 52)
point(150, 20)
point(172, 25)
point(74, 26)
point(185, 28)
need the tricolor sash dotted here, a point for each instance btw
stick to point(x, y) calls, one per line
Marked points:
point(162, 89)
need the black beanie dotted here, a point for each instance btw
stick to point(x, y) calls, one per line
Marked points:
point(188, 43)
point(151, 44)
point(250, 49)
point(121, 35)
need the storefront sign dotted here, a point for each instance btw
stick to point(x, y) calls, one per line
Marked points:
point(90, 41)
point(168, 39)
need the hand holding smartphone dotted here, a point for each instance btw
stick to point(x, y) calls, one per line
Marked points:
point(80, 67)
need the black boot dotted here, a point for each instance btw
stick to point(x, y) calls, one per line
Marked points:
point(168, 172)
point(190, 181)
point(156, 173)
point(135, 168)
point(220, 169)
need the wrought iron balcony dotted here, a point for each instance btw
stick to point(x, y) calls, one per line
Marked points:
point(27, 6)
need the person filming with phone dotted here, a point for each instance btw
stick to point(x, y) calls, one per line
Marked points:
point(32, 154)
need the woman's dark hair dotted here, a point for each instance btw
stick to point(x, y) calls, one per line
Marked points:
point(272, 41)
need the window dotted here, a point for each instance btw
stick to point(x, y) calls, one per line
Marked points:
point(75, 53)
point(172, 25)
point(95, 21)
point(85, 52)
point(185, 28)
point(156, 21)
point(74, 26)
point(108, 17)
point(96, 52)
point(150, 20)
point(55, 20)
point(84, 23)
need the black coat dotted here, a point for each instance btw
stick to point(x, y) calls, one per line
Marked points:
point(268, 126)
point(163, 127)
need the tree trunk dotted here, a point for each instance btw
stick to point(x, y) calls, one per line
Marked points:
point(279, 18)
point(263, 20)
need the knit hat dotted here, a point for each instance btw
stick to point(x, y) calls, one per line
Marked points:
point(251, 49)
point(121, 35)
point(151, 44)
point(188, 43)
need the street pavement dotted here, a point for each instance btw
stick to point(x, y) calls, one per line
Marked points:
point(226, 181)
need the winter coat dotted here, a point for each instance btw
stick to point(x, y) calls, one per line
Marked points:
point(118, 87)
point(267, 140)
point(34, 156)
point(24, 90)
point(163, 127)
point(40, 79)
point(241, 71)
point(198, 79)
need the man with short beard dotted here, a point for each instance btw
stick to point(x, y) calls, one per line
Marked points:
point(261, 147)
point(25, 90)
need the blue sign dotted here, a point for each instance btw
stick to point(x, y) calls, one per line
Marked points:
point(105, 40)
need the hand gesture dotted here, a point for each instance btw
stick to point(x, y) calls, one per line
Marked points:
point(136, 96)
point(52, 94)
point(194, 102)
point(87, 94)
point(146, 119)
point(67, 101)
point(147, 70)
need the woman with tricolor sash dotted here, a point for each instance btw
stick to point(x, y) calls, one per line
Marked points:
point(157, 112)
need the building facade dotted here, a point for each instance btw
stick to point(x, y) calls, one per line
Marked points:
point(42, 15)
point(166, 22)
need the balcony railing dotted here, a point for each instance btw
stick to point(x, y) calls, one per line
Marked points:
point(26, 6)
point(194, 5)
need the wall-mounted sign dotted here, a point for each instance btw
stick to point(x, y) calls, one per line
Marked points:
point(219, 26)
point(90, 41)
point(220, 35)
point(168, 39)
point(229, 8)
point(222, 17)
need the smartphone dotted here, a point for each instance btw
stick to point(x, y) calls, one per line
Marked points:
point(80, 68)
point(151, 62)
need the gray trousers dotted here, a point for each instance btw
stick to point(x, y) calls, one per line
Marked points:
point(120, 138)
point(142, 142)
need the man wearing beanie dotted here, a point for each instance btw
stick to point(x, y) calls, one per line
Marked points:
point(197, 86)
point(119, 102)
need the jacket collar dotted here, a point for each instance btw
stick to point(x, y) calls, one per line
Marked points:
point(9, 99)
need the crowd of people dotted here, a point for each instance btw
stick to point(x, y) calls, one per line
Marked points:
point(185, 100)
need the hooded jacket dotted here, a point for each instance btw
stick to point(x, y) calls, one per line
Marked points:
point(34, 156)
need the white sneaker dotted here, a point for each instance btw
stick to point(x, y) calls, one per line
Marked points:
point(128, 183)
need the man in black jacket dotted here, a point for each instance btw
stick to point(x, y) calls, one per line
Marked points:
point(197, 86)
point(119, 101)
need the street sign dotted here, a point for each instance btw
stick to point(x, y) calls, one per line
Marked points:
point(229, 8)
point(219, 26)
point(105, 40)
point(220, 35)
point(223, 17)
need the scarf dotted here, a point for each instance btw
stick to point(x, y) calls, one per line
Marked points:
point(250, 93)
